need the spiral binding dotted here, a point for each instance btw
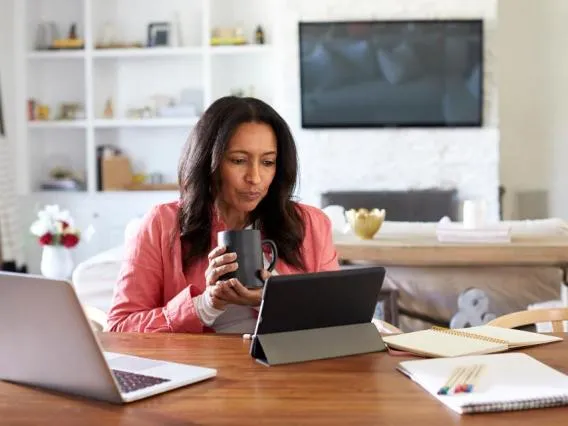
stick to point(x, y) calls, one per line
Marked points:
point(469, 335)
point(522, 404)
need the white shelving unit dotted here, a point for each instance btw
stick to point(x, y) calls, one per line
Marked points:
point(102, 123)
point(130, 77)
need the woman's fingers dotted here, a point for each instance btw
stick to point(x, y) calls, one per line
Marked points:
point(213, 274)
point(238, 288)
point(222, 259)
point(224, 291)
point(246, 296)
point(219, 262)
point(264, 274)
point(217, 251)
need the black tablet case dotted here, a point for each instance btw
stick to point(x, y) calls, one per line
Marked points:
point(318, 315)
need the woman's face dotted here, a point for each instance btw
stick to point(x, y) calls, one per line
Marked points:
point(248, 166)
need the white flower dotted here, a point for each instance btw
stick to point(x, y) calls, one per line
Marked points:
point(49, 220)
point(41, 227)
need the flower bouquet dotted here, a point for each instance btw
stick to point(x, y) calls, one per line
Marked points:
point(54, 227)
point(56, 233)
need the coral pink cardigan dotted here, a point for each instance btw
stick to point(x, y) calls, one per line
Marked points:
point(153, 294)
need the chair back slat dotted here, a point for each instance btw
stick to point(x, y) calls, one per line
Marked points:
point(556, 316)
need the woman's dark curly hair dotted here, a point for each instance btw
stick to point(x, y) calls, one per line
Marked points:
point(199, 181)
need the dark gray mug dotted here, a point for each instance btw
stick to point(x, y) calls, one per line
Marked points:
point(247, 243)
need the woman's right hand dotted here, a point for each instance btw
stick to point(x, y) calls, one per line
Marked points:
point(220, 263)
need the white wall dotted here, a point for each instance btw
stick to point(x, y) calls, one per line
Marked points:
point(525, 150)
point(555, 111)
point(533, 88)
point(392, 159)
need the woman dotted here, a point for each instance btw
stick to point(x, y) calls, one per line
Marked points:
point(237, 170)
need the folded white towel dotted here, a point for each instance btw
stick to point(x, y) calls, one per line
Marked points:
point(455, 232)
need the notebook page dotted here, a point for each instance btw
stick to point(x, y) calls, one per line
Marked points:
point(510, 381)
point(440, 344)
point(516, 338)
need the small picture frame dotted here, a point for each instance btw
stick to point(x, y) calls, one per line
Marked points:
point(158, 34)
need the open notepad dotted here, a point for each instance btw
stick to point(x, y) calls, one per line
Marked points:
point(511, 381)
point(485, 339)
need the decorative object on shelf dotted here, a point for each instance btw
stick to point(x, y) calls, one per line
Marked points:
point(159, 102)
point(158, 34)
point(42, 112)
point(227, 37)
point(109, 109)
point(102, 152)
point(166, 106)
point(73, 32)
point(31, 109)
point(108, 36)
point(38, 111)
point(116, 174)
point(259, 35)
point(72, 41)
point(138, 113)
point(365, 223)
point(155, 178)
point(47, 32)
point(56, 233)
point(71, 111)
point(63, 179)
point(109, 39)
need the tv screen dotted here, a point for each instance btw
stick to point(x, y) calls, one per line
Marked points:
point(391, 73)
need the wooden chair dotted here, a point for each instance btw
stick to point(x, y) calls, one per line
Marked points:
point(384, 327)
point(97, 317)
point(521, 318)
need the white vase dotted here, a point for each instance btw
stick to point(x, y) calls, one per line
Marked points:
point(56, 262)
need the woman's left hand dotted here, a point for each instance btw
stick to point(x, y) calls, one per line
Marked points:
point(232, 291)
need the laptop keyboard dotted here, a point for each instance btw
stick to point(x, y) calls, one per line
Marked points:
point(130, 382)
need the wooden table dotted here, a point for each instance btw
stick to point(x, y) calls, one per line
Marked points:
point(358, 390)
point(426, 251)
point(409, 250)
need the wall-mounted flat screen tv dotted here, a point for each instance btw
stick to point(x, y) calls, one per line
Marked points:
point(420, 73)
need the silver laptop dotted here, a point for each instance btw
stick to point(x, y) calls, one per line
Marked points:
point(47, 341)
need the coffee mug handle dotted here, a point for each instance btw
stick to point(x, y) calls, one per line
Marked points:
point(274, 251)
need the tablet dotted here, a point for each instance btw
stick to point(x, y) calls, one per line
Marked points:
point(303, 309)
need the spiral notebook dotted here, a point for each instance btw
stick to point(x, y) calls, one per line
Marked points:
point(485, 339)
point(510, 381)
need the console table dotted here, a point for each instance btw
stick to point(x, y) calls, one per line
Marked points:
point(421, 250)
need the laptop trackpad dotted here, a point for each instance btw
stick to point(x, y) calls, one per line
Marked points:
point(131, 363)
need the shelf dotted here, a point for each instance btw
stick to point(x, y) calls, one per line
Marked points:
point(153, 187)
point(143, 52)
point(57, 54)
point(145, 122)
point(57, 124)
point(246, 48)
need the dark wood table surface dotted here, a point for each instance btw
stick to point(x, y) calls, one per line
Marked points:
point(358, 390)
